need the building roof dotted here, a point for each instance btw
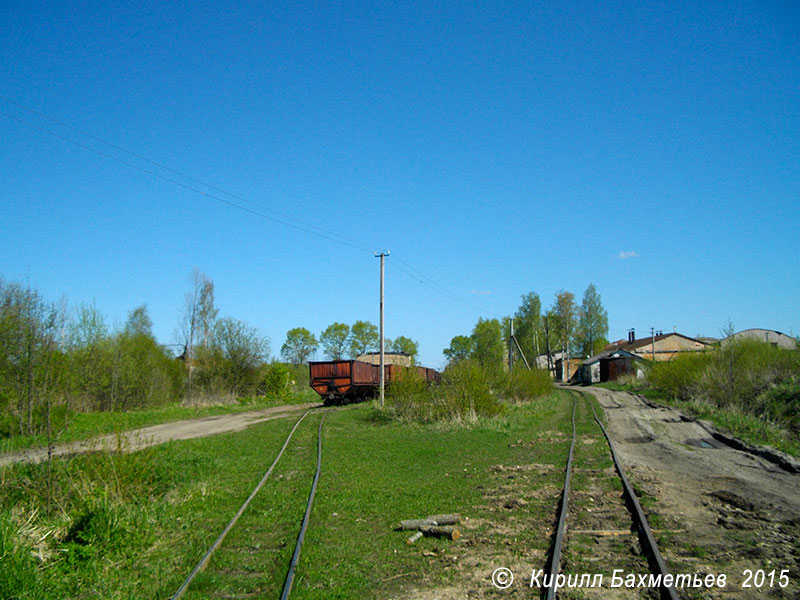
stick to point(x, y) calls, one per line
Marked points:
point(614, 353)
point(767, 335)
point(630, 346)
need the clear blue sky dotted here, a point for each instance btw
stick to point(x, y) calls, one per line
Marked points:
point(652, 149)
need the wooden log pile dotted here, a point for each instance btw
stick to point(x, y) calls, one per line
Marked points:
point(433, 526)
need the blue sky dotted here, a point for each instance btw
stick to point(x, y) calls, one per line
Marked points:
point(652, 149)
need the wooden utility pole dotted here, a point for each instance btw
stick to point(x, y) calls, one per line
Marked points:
point(383, 382)
point(511, 347)
point(653, 337)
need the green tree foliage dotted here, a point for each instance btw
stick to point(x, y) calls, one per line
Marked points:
point(119, 371)
point(232, 359)
point(30, 359)
point(461, 348)
point(528, 326)
point(407, 345)
point(139, 322)
point(277, 381)
point(488, 346)
point(335, 340)
point(364, 337)
point(592, 321)
point(566, 314)
point(299, 345)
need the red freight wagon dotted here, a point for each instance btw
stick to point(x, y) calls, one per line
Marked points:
point(340, 381)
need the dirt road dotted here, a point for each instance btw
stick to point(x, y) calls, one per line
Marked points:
point(158, 434)
point(734, 510)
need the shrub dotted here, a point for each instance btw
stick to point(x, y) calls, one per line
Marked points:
point(679, 377)
point(277, 381)
point(527, 384)
point(464, 394)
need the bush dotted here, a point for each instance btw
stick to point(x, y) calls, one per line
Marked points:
point(679, 377)
point(464, 395)
point(277, 381)
point(781, 403)
point(527, 384)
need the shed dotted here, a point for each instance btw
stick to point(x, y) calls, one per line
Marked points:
point(606, 366)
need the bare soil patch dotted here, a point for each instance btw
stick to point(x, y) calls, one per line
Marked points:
point(729, 510)
point(136, 439)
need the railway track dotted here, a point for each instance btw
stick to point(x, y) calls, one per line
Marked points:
point(602, 522)
point(238, 568)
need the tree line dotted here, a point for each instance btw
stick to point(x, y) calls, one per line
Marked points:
point(55, 361)
point(564, 327)
point(342, 341)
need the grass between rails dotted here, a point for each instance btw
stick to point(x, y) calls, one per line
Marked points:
point(85, 425)
point(134, 525)
point(749, 428)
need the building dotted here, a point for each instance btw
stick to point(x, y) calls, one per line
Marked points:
point(572, 365)
point(776, 338)
point(389, 358)
point(661, 347)
point(608, 365)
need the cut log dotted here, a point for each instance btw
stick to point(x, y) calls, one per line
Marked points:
point(453, 519)
point(447, 532)
point(414, 538)
point(417, 523)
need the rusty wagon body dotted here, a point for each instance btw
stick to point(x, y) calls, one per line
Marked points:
point(343, 381)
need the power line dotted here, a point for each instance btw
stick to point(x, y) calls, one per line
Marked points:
point(306, 228)
point(430, 283)
point(279, 218)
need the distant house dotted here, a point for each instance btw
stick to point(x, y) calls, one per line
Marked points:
point(776, 338)
point(389, 358)
point(662, 347)
point(608, 365)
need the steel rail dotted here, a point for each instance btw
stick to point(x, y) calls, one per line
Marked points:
point(555, 555)
point(287, 586)
point(648, 540)
point(232, 522)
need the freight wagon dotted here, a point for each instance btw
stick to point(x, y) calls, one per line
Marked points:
point(342, 381)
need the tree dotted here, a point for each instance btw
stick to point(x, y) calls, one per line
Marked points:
point(528, 325)
point(28, 355)
point(488, 344)
point(334, 340)
point(364, 337)
point(234, 353)
point(407, 345)
point(566, 314)
point(139, 322)
point(461, 347)
point(199, 314)
point(300, 344)
point(592, 321)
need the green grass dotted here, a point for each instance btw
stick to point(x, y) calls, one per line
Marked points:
point(134, 525)
point(85, 425)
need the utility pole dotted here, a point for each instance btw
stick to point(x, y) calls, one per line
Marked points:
point(383, 382)
point(511, 347)
point(653, 336)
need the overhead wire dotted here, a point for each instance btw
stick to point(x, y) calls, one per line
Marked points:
point(256, 209)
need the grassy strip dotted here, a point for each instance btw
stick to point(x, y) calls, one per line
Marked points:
point(749, 428)
point(134, 525)
point(85, 425)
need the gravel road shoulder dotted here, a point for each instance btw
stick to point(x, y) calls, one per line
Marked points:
point(137, 439)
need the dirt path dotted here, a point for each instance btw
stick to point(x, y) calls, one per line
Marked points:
point(136, 439)
point(734, 511)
